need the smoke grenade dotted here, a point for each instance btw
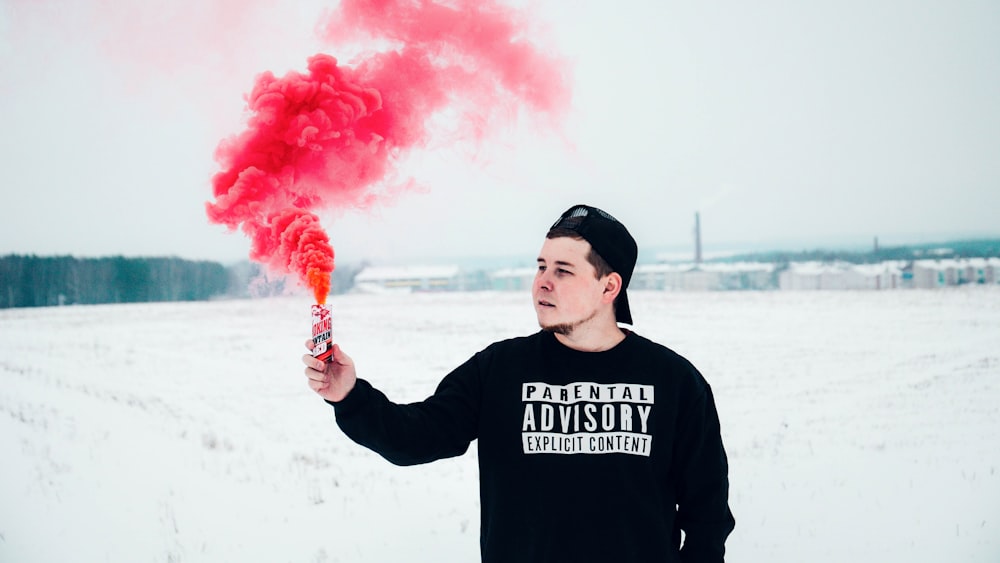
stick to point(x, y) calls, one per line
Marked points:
point(322, 332)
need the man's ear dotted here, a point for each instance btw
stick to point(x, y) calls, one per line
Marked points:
point(612, 287)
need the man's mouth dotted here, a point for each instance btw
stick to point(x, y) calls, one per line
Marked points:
point(545, 303)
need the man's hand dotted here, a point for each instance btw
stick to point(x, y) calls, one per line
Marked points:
point(334, 379)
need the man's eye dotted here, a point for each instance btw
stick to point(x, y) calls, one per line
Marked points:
point(563, 272)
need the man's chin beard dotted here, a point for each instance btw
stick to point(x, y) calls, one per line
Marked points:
point(564, 329)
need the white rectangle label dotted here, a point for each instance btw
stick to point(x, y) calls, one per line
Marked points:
point(588, 392)
point(586, 443)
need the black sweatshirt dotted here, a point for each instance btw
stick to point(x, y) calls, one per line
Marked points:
point(583, 456)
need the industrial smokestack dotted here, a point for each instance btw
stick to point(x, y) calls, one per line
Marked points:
point(697, 238)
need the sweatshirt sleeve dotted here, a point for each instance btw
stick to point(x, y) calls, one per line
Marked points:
point(440, 426)
point(703, 511)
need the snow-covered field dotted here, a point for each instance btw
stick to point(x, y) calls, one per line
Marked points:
point(860, 426)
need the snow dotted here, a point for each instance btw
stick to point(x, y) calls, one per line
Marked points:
point(860, 426)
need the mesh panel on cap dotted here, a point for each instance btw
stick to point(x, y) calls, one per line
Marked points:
point(582, 211)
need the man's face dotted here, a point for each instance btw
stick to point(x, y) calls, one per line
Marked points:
point(566, 291)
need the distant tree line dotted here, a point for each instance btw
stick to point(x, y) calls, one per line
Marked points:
point(35, 281)
point(976, 248)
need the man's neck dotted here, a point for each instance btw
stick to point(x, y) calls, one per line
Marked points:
point(593, 337)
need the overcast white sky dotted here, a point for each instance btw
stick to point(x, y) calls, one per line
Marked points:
point(799, 123)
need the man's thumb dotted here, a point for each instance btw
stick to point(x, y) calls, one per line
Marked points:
point(340, 357)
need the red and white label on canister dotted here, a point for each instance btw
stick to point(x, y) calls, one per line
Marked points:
point(322, 333)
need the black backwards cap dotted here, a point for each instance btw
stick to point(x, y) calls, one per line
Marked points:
point(611, 240)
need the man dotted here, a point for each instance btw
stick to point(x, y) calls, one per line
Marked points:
point(595, 444)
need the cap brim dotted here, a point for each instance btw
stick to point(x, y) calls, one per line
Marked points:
point(623, 313)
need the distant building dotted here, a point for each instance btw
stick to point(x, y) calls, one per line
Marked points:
point(712, 276)
point(377, 279)
point(984, 271)
point(512, 279)
point(991, 270)
point(813, 276)
point(742, 275)
point(707, 276)
point(884, 275)
point(928, 274)
point(658, 276)
point(921, 274)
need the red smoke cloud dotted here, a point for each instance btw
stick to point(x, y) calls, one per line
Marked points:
point(329, 136)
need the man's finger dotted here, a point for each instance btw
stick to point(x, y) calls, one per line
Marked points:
point(313, 363)
point(315, 375)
